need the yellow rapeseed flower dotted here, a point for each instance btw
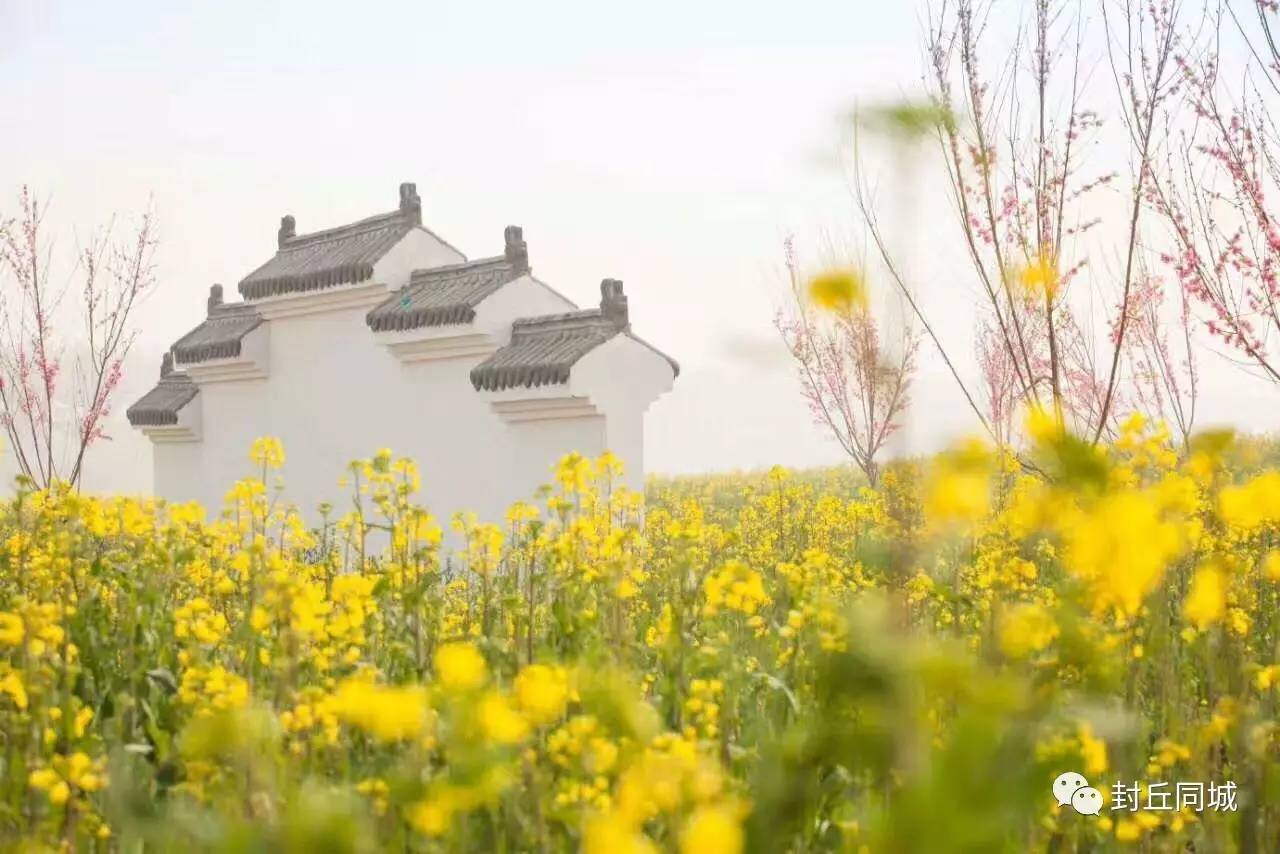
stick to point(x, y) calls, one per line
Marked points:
point(1040, 277)
point(1121, 546)
point(460, 667)
point(1266, 677)
point(712, 830)
point(11, 684)
point(1253, 503)
point(432, 815)
point(1093, 751)
point(1128, 830)
point(387, 712)
point(1271, 565)
point(735, 587)
point(267, 451)
point(1043, 426)
point(500, 722)
point(1207, 600)
point(1026, 629)
point(614, 834)
point(1169, 753)
point(11, 629)
point(959, 489)
point(542, 692)
point(839, 290)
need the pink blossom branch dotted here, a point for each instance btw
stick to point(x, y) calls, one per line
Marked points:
point(847, 378)
point(114, 278)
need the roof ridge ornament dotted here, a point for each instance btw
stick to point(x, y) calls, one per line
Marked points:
point(613, 304)
point(166, 365)
point(515, 249)
point(215, 298)
point(288, 230)
point(411, 202)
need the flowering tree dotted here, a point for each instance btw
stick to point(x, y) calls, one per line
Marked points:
point(999, 380)
point(1165, 378)
point(53, 404)
point(1217, 194)
point(855, 386)
point(1014, 132)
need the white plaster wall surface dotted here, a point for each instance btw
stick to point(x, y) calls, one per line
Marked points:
point(179, 473)
point(525, 297)
point(417, 250)
point(530, 449)
point(334, 393)
point(622, 377)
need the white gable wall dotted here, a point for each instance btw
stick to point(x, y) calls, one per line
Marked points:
point(334, 392)
point(417, 250)
point(622, 377)
point(335, 395)
point(524, 297)
point(177, 468)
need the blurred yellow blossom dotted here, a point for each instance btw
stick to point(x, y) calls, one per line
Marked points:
point(11, 630)
point(460, 667)
point(1027, 628)
point(388, 713)
point(1093, 751)
point(838, 290)
point(542, 692)
point(1206, 601)
point(1039, 277)
point(712, 830)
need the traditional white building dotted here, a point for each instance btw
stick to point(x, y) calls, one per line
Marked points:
point(380, 334)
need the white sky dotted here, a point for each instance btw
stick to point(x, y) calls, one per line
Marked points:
point(669, 144)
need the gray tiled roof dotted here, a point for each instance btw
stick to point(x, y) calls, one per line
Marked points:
point(160, 406)
point(335, 256)
point(219, 336)
point(543, 350)
point(439, 296)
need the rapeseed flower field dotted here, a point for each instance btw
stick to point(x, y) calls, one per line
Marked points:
point(773, 662)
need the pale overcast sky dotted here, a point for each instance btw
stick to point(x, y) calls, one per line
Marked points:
point(670, 144)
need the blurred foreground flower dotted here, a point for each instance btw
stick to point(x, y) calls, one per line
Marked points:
point(796, 660)
point(1206, 601)
point(1040, 277)
point(839, 290)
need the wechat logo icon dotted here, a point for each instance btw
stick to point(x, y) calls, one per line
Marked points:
point(1071, 788)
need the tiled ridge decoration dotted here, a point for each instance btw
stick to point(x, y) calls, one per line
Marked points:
point(335, 256)
point(160, 406)
point(219, 336)
point(543, 350)
point(440, 296)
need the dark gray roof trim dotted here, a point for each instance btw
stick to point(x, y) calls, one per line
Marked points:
point(160, 406)
point(440, 296)
point(543, 350)
point(335, 256)
point(220, 335)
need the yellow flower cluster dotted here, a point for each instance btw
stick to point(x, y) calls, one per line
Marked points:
point(735, 587)
point(780, 660)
